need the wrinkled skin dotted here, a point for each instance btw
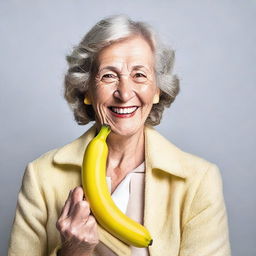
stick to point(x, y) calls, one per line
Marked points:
point(77, 227)
point(125, 78)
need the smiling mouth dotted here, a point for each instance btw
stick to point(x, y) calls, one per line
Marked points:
point(123, 111)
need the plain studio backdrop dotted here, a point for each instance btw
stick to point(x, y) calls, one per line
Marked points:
point(212, 117)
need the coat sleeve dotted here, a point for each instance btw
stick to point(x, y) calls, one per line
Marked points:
point(206, 230)
point(28, 236)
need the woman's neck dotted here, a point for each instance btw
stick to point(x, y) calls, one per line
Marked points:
point(125, 152)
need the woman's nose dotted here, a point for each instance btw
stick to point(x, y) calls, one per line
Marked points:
point(124, 90)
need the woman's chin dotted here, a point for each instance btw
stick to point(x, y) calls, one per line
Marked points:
point(123, 127)
point(125, 130)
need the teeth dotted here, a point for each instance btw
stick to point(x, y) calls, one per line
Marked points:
point(124, 110)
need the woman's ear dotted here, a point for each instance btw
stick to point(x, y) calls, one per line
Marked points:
point(156, 96)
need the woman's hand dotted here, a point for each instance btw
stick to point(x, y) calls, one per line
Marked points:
point(78, 229)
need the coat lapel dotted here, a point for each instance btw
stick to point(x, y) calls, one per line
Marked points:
point(162, 159)
point(161, 156)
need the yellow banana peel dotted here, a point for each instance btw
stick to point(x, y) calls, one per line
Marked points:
point(107, 214)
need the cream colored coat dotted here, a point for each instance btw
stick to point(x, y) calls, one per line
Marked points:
point(184, 206)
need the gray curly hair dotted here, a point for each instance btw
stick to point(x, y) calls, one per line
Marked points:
point(81, 63)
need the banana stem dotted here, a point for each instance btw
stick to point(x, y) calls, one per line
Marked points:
point(104, 131)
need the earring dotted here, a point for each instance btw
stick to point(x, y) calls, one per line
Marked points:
point(87, 101)
point(156, 99)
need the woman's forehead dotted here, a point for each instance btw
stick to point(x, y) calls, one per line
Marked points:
point(121, 66)
point(132, 52)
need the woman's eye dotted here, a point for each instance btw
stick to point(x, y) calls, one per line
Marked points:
point(140, 75)
point(109, 77)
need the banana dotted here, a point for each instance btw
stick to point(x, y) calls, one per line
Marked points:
point(97, 193)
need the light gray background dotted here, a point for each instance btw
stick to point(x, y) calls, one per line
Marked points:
point(213, 116)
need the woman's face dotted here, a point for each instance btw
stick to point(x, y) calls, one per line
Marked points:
point(125, 86)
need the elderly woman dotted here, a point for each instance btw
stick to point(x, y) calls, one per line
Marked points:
point(121, 74)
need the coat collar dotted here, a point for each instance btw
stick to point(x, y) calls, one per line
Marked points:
point(157, 150)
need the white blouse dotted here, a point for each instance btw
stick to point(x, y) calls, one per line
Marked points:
point(129, 197)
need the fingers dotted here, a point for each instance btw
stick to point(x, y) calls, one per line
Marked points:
point(76, 196)
point(91, 229)
point(80, 213)
point(75, 207)
point(92, 225)
point(66, 207)
point(78, 229)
